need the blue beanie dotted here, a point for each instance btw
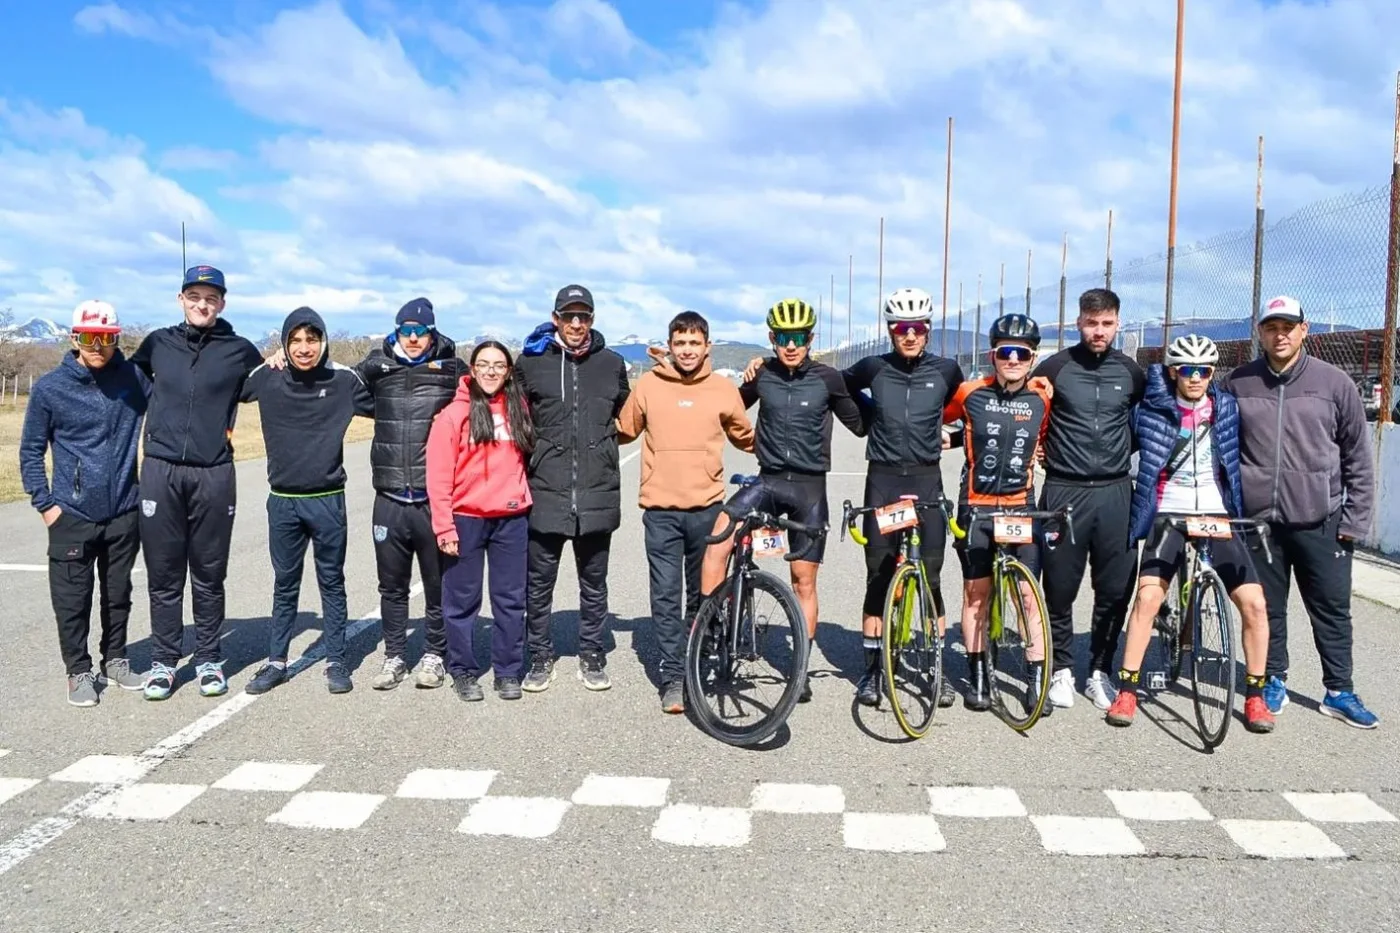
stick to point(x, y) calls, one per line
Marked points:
point(419, 310)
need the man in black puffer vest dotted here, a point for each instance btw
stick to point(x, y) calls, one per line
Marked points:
point(412, 377)
point(576, 388)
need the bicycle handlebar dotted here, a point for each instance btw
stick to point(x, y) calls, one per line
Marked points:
point(1065, 515)
point(755, 518)
point(850, 513)
point(1242, 524)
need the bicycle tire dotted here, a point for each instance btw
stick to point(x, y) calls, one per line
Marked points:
point(1208, 593)
point(907, 620)
point(712, 721)
point(1011, 613)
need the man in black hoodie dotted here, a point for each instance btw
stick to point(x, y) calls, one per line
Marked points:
point(576, 388)
point(189, 490)
point(305, 410)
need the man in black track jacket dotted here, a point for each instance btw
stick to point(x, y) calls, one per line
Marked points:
point(1088, 446)
point(306, 409)
point(576, 388)
point(188, 485)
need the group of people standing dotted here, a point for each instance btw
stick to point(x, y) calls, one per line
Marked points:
point(492, 460)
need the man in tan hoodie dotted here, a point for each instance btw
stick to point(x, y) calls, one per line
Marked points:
point(686, 413)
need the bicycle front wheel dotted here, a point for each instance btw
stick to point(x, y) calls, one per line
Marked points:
point(911, 652)
point(746, 660)
point(1212, 657)
point(1019, 647)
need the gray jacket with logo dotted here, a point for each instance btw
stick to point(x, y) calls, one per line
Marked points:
point(1304, 449)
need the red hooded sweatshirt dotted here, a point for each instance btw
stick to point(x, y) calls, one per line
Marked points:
point(478, 480)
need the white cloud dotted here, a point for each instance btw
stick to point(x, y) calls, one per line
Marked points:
point(198, 158)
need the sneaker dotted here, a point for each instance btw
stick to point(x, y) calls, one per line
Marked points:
point(673, 697)
point(468, 690)
point(82, 689)
point(267, 677)
point(390, 675)
point(338, 678)
point(868, 688)
point(118, 671)
point(160, 681)
point(1275, 695)
point(1257, 717)
point(508, 688)
point(947, 695)
point(806, 695)
point(1100, 690)
point(432, 673)
point(212, 682)
point(541, 675)
point(1123, 708)
point(590, 671)
point(1349, 709)
point(1062, 688)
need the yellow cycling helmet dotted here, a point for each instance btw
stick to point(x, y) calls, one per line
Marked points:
point(791, 314)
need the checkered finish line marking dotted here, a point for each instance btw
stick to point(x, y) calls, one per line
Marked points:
point(289, 802)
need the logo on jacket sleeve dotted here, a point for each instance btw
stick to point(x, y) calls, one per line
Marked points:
point(148, 507)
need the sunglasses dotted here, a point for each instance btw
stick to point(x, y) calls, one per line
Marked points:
point(575, 317)
point(792, 338)
point(89, 339)
point(918, 328)
point(414, 330)
point(1195, 372)
point(1013, 354)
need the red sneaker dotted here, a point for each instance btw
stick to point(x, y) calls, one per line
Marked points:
point(1257, 717)
point(1123, 709)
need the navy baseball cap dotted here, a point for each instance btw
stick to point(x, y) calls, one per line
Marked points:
point(204, 275)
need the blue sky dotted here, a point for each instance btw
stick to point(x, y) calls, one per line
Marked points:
point(712, 155)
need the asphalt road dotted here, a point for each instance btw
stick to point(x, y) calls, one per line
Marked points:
point(572, 810)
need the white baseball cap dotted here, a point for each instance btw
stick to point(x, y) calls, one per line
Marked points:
point(1283, 308)
point(95, 317)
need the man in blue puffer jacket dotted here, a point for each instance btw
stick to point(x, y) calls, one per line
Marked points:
point(1188, 435)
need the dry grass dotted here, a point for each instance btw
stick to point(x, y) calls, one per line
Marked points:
point(247, 442)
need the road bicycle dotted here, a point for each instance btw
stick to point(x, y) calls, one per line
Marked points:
point(746, 666)
point(911, 639)
point(1210, 639)
point(1018, 687)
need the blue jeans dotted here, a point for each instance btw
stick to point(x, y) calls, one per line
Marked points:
point(504, 542)
point(292, 523)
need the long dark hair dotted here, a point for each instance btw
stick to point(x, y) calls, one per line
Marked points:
point(483, 426)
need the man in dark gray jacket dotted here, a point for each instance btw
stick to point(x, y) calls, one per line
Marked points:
point(1306, 464)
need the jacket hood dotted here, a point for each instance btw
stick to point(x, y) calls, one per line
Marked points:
point(303, 317)
point(665, 367)
point(73, 368)
point(442, 348)
point(542, 338)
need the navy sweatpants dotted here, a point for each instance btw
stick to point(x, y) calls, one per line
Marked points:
point(504, 542)
point(292, 523)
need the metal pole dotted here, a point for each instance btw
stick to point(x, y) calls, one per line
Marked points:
point(1028, 283)
point(947, 215)
point(1108, 254)
point(960, 312)
point(977, 327)
point(1258, 293)
point(1176, 146)
point(1392, 266)
point(1064, 260)
point(820, 298)
point(850, 291)
point(880, 277)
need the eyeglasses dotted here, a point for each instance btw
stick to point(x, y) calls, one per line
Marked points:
point(792, 338)
point(576, 317)
point(1195, 372)
point(414, 330)
point(491, 367)
point(89, 339)
point(918, 328)
point(1010, 353)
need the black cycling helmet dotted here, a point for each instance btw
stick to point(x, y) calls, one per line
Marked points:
point(1014, 327)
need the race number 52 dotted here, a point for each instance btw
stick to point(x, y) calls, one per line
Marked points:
point(769, 542)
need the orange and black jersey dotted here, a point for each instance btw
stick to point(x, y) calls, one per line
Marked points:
point(1001, 431)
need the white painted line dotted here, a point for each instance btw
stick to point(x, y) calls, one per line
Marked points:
point(629, 458)
point(1086, 835)
point(37, 835)
point(685, 824)
point(25, 568)
point(524, 817)
point(605, 790)
point(440, 784)
point(4, 752)
point(10, 788)
point(268, 776)
point(798, 798)
point(1339, 808)
point(103, 769)
point(975, 802)
point(892, 832)
point(322, 809)
point(1157, 805)
point(1281, 839)
point(146, 802)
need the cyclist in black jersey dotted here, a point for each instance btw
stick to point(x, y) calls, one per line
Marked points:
point(797, 398)
point(908, 388)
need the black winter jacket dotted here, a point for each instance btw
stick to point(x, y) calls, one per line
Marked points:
point(407, 396)
point(575, 478)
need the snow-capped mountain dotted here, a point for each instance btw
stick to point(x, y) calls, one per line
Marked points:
point(35, 330)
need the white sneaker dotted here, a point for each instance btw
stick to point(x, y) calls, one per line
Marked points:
point(1100, 690)
point(1062, 689)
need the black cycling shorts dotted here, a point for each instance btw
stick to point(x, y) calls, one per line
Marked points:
point(798, 497)
point(884, 485)
point(975, 550)
point(1165, 550)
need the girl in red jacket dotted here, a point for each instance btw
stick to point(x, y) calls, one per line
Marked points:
point(479, 498)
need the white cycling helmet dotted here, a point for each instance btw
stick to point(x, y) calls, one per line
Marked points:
point(1192, 350)
point(908, 304)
